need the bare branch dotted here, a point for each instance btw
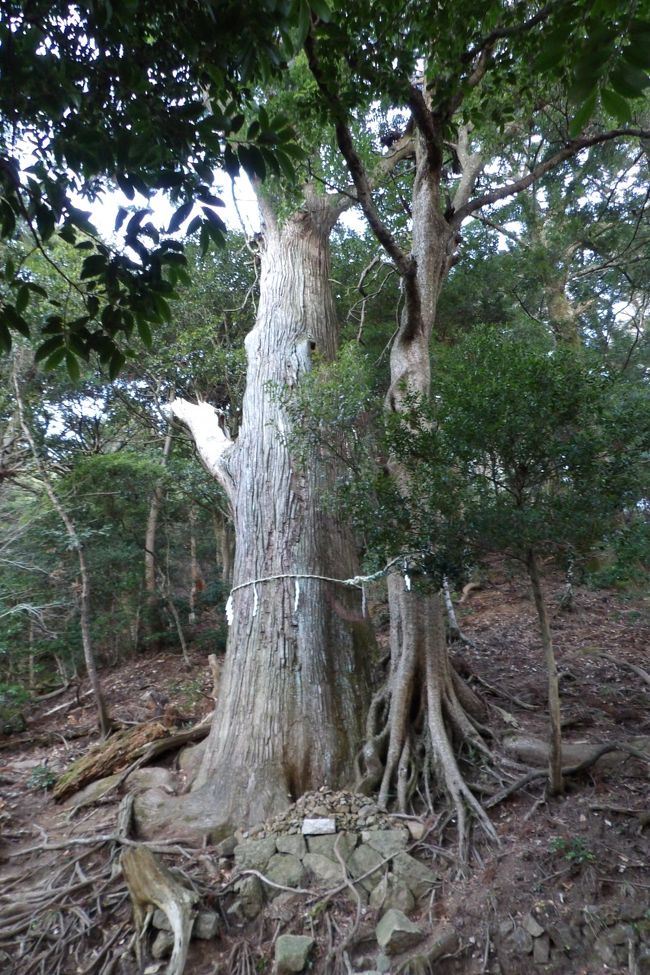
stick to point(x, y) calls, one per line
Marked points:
point(501, 33)
point(572, 148)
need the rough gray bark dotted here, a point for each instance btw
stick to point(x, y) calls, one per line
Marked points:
point(295, 684)
point(224, 536)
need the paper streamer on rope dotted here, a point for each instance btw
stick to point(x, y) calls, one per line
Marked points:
point(229, 610)
point(407, 582)
point(255, 599)
point(297, 597)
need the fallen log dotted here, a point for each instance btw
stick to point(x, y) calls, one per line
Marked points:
point(124, 751)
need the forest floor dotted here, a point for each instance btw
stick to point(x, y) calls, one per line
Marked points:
point(579, 864)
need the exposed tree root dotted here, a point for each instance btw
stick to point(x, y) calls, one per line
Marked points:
point(152, 885)
point(537, 774)
point(418, 722)
point(639, 671)
point(507, 697)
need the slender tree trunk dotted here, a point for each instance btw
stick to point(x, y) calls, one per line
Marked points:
point(153, 622)
point(84, 575)
point(452, 620)
point(295, 684)
point(555, 738)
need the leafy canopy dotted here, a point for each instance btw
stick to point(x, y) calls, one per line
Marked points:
point(145, 97)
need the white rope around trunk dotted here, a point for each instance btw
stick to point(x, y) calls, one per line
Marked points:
point(357, 582)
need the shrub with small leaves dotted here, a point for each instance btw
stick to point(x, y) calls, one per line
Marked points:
point(573, 851)
point(41, 777)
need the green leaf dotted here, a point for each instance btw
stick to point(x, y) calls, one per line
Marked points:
point(116, 364)
point(215, 219)
point(193, 225)
point(14, 320)
point(145, 333)
point(304, 20)
point(162, 308)
point(56, 359)
point(45, 222)
point(122, 214)
point(321, 10)
point(583, 115)
point(36, 288)
point(5, 337)
point(230, 161)
point(628, 80)
point(252, 161)
point(72, 365)
point(616, 105)
point(638, 55)
point(92, 266)
point(210, 198)
point(46, 349)
point(180, 216)
point(204, 171)
point(555, 45)
point(126, 186)
point(640, 31)
point(22, 299)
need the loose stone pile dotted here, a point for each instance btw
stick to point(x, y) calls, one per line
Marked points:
point(351, 811)
point(340, 842)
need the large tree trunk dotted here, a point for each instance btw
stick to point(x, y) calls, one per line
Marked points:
point(295, 684)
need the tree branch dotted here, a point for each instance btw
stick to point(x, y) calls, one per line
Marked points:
point(571, 149)
point(424, 121)
point(355, 165)
point(211, 442)
point(501, 33)
point(471, 165)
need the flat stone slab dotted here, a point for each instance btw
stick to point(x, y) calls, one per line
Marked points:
point(344, 843)
point(285, 870)
point(533, 926)
point(323, 868)
point(396, 933)
point(388, 842)
point(162, 945)
point(291, 843)
point(366, 859)
point(391, 892)
point(318, 827)
point(206, 924)
point(418, 878)
point(250, 897)
point(254, 854)
point(292, 952)
point(542, 950)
